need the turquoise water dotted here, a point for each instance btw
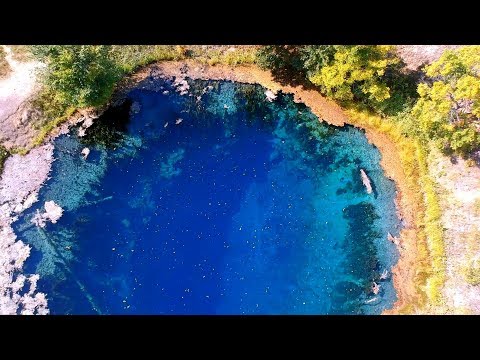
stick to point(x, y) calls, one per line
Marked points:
point(214, 202)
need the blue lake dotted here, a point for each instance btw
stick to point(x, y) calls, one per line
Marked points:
point(214, 202)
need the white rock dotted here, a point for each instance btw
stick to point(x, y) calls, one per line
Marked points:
point(87, 122)
point(85, 152)
point(270, 95)
point(53, 211)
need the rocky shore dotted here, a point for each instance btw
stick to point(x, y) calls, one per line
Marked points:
point(24, 175)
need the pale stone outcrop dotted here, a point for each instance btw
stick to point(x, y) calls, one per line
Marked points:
point(19, 185)
point(52, 213)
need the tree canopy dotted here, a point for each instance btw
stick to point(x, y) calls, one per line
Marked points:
point(356, 71)
point(449, 105)
point(79, 75)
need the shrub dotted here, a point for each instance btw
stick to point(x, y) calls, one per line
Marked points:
point(449, 103)
point(356, 72)
point(79, 75)
point(4, 67)
point(284, 61)
point(471, 273)
point(314, 57)
point(3, 156)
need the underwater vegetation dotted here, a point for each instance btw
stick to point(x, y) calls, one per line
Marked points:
point(214, 199)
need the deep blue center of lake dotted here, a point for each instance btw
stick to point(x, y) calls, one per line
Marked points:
point(215, 201)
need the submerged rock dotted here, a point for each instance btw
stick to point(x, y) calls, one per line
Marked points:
point(19, 186)
point(393, 239)
point(52, 213)
point(136, 107)
point(270, 95)
point(16, 297)
point(181, 86)
point(384, 275)
point(85, 152)
point(366, 181)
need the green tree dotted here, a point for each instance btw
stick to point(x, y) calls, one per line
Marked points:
point(314, 57)
point(448, 109)
point(356, 72)
point(284, 61)
point(79, 75)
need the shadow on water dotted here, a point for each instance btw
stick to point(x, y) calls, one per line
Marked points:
point(110, 128)
point(227, 203)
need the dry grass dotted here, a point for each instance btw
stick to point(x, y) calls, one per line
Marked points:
point(21, 53)
point(228, 55)
point(3, 156)
point(4, 67)
point(476, 206)
point(471, 270)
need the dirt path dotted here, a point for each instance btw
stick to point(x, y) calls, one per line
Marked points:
point(15, 91)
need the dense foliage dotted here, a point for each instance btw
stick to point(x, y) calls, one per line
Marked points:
point(284, 61)
point(355, 71)
point(445, 108)
point(368, 74)
point(79, 75)
point(449, 106)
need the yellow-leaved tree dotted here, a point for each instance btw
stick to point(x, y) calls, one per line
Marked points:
point(356, 71)
point(449, 105)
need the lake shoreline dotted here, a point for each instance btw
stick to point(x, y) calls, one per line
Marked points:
point(325, 109)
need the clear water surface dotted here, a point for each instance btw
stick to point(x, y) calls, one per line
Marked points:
point(214, 202)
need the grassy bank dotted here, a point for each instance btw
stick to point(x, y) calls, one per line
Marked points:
point(419, 188)
point(127, 60)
